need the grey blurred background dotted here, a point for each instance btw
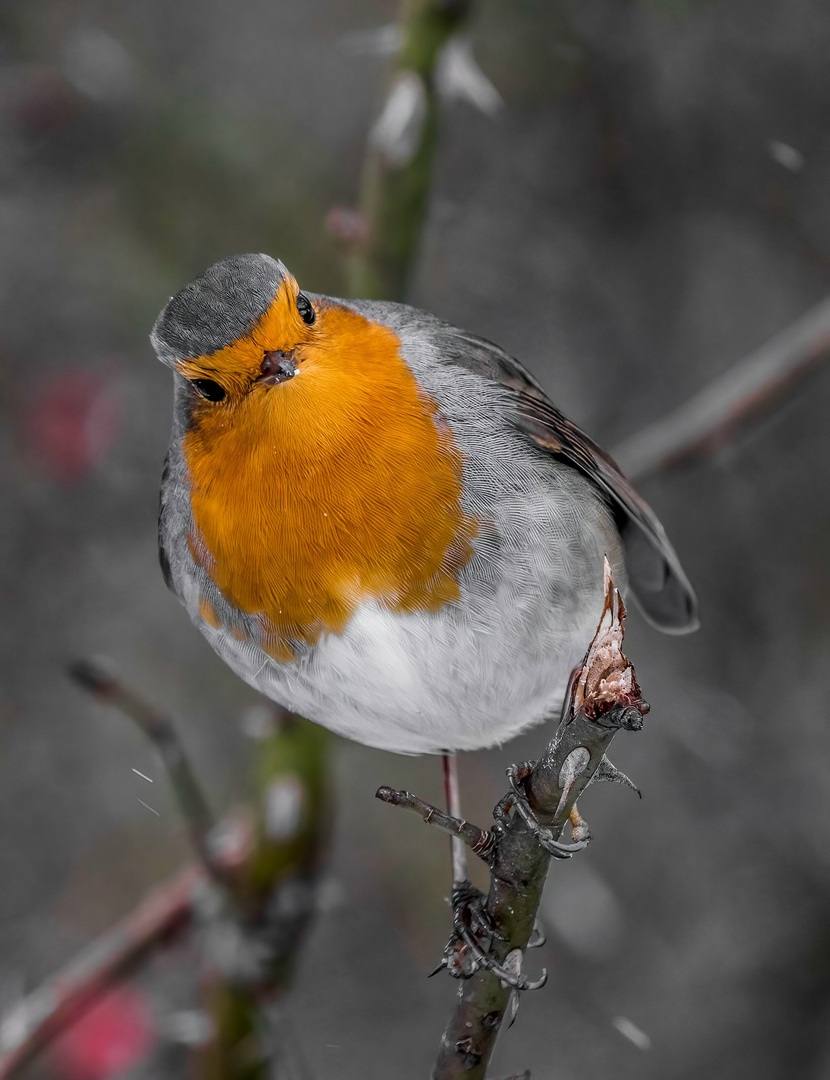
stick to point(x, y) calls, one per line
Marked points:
point(652, 203)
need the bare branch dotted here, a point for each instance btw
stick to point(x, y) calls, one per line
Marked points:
point(35, 1021)
point(478, 840)
point(709, 421)
point(161, 732)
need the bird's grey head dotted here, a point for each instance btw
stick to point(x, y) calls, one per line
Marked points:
point(216, 308)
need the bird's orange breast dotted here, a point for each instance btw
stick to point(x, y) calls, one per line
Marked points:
point(339, 486)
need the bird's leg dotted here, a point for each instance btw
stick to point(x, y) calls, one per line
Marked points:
point(517, 798)
point(465, 953)
point(469, 917)
point(452, 794)
point(472, 926)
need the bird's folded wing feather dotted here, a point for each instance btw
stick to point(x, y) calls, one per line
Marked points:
point(657, 578)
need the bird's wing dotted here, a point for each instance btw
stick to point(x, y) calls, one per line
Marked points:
point(656, 576)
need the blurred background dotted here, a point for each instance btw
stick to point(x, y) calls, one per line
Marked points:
point(651, 203)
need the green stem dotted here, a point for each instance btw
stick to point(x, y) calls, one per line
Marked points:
point(272, 898)
point(395, 193)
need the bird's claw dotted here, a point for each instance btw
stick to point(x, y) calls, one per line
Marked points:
point(471, 924)
point(469, 912)
point(517, 797)
point(465, 952)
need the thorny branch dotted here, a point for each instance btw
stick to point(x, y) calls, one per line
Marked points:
point(398, 167)
point(603, 698)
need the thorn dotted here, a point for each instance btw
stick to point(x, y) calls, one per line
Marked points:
point(610, 773)
point(513, 1007)
point(396, 134)
point(440, 967)
point(458, 76)
point(512, 964)
point(537, 936)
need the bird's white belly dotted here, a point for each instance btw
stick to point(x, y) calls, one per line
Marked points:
point(421, 683)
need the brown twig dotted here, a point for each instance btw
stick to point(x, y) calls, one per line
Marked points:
point(709, 420)
point(41, 1016)
point(478, 840)
point(161, 732)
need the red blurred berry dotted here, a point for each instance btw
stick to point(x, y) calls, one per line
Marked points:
point(72, 422)
point(115, 1034)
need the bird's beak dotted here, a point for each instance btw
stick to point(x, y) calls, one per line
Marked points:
point(277, 367)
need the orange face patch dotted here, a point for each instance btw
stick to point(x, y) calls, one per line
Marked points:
point(332, 488)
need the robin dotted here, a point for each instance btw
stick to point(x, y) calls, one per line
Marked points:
point(381, 521)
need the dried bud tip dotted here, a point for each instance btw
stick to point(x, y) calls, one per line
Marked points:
point(606, 679)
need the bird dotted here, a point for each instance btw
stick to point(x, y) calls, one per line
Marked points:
point(381, 521)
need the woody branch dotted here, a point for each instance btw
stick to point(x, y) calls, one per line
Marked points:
point(604, 699)
point(711, 419)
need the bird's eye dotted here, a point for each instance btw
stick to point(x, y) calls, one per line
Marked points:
point(307, 312)
point(209, 389)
